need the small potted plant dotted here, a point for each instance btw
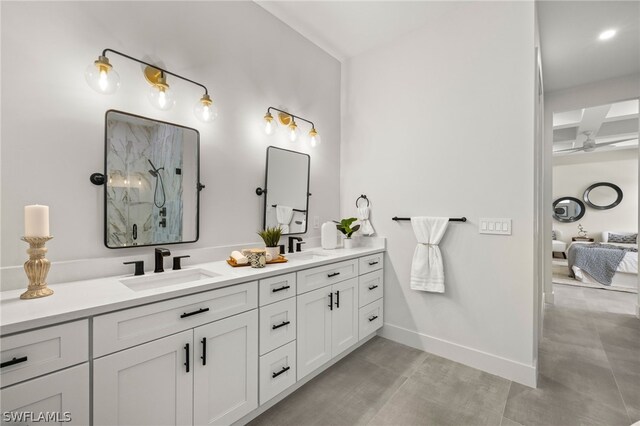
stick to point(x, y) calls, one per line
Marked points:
point(345, 227)
point(271, 238)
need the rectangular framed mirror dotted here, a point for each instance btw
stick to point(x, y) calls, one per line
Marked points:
point(152, 175)
point(287, 197)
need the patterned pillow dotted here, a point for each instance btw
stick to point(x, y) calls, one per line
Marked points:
point(623, 239)
point(553, 235)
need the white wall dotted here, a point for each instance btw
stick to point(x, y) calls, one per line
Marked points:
point(53, 123)
point(573, 174)
point(441, 123)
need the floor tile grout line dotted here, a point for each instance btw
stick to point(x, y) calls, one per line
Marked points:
point(388, 399)
point(506, 400)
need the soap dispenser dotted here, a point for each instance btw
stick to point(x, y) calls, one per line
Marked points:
point(329, 236)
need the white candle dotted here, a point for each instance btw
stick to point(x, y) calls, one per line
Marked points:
point(36, 221)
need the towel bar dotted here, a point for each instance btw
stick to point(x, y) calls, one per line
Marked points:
point(451, 219)
point(295, 210)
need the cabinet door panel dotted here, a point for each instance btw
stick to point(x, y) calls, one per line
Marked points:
point(64, 394)
point(226, 387)
point(314, 330)
point(344, 322)
point(145, 385)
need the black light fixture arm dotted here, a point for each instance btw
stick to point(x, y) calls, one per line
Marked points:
point(292, 115)
point(104, 53)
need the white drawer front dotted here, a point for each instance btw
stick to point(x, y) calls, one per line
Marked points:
point(277, 325)
point(277, 288)
point(130, 327)
point(322, 276)
point(38, 352)
point(371, 318)
point(371, 287)
point(282, 364)
point(371, 263)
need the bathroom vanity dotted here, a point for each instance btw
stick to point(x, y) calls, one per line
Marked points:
point(209, 344)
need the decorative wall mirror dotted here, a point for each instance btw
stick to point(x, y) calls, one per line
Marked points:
point(602, 196)
point(286, 200)
point(152, 171)
point(568, 209)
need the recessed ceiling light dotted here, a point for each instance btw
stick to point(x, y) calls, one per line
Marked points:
point(606, 35)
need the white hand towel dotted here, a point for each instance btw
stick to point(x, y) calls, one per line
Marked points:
point(283, 216)
point(427, 271)
point(239, 258)
point(363, 215)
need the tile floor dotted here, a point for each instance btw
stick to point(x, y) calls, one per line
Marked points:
point(589, 375)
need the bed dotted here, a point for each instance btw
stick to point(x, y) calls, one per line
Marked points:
point(626, 274)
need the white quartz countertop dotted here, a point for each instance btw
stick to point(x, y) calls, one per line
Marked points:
point(81, 299)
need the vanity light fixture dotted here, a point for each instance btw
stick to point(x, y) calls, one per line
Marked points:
point(101, 76)
point(288, 120)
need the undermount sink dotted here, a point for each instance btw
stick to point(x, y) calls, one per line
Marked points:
point(164, 279)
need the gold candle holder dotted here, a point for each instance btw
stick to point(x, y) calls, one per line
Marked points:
point(37, 268)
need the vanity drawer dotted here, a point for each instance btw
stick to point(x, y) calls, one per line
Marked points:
point(130, 327)
point(277, 288)
point(42, 351)
point(371, 263)
point(277, 325)
point(280, 363)
point(371, 287)
point(371, 318)
point(322, 276)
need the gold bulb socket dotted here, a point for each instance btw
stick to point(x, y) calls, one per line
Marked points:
point(293, 126)
point(102, 63)
point(313, 132)
point(206, 99)
point(268, 117)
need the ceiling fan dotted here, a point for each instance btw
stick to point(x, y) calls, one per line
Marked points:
point(590, 145)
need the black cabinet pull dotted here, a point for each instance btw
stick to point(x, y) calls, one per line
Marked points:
point(284, 369)
point(331, 301)
point(204, 351)
point(14, 361)
point(371, 287)
point(282, 324)
point(373, 318)
point(373, 263)
point(284, 287)
point(186, 350)
point(338, 299)
point(333, 275)
point(199, 311)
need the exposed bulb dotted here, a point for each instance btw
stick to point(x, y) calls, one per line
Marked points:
point(270, 124)
point(101, 77)
point(293, 131)
point(314, 138)
point(160, 94)
point(205, 110)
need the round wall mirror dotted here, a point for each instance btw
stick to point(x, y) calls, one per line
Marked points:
point(568, 209)
point(602, 196)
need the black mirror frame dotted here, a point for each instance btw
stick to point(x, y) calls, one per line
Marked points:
point(575, 219)
point(199, 185)
point(260, 191)
point(616, 188)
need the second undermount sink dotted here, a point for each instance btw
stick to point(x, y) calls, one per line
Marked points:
point(165, 279)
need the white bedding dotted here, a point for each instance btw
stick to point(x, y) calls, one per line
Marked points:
point(627, 272)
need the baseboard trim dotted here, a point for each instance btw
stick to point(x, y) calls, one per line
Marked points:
point(511, 370)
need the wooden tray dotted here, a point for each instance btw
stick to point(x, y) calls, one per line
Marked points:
point(280, 259)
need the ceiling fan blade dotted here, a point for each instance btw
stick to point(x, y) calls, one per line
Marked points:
point(614, 142)
point(569, 150)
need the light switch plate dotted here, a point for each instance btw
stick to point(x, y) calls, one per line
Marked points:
point(495, 226)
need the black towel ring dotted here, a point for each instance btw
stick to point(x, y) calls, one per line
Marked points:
point(363, 197)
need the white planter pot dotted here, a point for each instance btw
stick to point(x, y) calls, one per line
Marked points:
point(273, 251)
point(348, 243)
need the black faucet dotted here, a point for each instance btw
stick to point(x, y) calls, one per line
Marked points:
point(160, 254)
point(298, 246)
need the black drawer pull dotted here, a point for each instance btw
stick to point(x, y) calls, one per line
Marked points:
point(338, 299)
point(186, 350)
point(371, 287)
point(333, 275)
point(204, 351)
point(284, 287)
point(199, 311)
point(14, 361)
point(331, 301)
point(284, 369)
point(373, 318)
point(373, 263)
point(275, 327)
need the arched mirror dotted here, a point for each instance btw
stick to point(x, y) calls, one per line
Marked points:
point(568, 209)
point(602, 196)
